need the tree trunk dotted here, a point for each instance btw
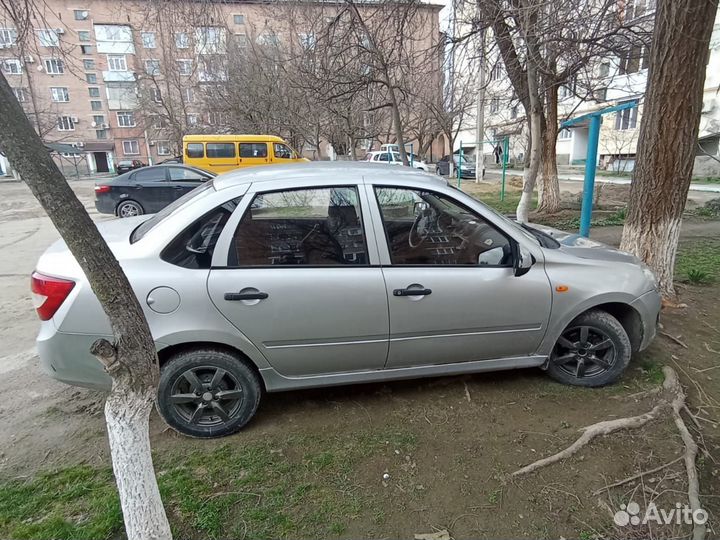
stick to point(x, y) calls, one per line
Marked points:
point(131, 361)
point(550, 201)
point(397, 123)
point(668, 134)
point(530, 173)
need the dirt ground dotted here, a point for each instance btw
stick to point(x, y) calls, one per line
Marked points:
point(463, 434)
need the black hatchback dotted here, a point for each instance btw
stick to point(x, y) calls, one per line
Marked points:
point(147, 190)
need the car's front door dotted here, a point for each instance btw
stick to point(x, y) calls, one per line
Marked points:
point(184, 179)
point(252, 153)
point(299, 282)
point(452, 293)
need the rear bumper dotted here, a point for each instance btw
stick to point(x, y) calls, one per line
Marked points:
point(648, 306)
point(105, 206)
point(67, 358)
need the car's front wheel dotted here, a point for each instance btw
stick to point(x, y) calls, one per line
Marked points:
point(208, 392)
point(593, 350)
point(129, 209)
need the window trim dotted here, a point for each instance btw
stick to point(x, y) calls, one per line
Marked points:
point(115, 58)
point(124, 114)
point(250, 198)
point(66, 94)
point(136, 141)
point(373, 187)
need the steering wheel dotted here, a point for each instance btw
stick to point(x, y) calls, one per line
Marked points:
point(420, 229)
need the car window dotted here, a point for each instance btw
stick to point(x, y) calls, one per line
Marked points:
point(430, 229)
point(282, 151)
point(150, 174)
point(195, 150)
point(124, 163)
point(383, 157)
point(253, 150)
point(182, 174)
point(321, 227)
point(220, 150)
point(148, 225)
point(194, 247)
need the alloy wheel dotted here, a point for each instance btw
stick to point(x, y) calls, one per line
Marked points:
point(584, 351)
point(206, 395)
point(129, 210)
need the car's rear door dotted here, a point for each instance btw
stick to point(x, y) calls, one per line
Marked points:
point(301, 279)
point(452, 293)
point(151, 189)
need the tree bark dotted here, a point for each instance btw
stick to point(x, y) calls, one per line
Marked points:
point(131, 360)
point(530, 173)
point(550, 200)
point(668, 133)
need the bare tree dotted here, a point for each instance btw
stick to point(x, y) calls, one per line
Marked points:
point(668, 134)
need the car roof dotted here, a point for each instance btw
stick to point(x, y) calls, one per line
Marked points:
point(324, 170)
point(233, 138)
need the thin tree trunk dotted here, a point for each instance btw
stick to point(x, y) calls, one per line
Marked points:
point(131, 361)
point(668, 133)
point(550, 201)
point(530, 173)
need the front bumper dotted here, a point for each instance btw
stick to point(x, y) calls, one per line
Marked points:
point(648, 306)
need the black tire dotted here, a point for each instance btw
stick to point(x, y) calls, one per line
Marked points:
point(197, 415)
point(437, 171)
point(599, 360)
point(129, 209)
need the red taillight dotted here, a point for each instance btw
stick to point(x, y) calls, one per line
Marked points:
point(49, 293)
point(102, 189)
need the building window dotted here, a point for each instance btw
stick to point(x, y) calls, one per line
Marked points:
point(514, 112)
point(8, 37)
point(83, 35)
point(627, 119)
point(240, 40)
point(20, 94)
point(59, 94)
point(48, 38)
point(163, 148)
point(148, 40)
point(191, 119)
point(117, 62)
point(188, 94)
point(54, 66)
point(182, 40)
point(65, 123)
point(210, 40)
point(214, 118)
point(600, 94)
point(96, 105)
point(158, 121)
point(185, 67)
point(239, 19)
point(11, 66)
point(565, 134)
point(604, 69)
point(131, 148)
point(85, 49)
point(91, 78)
point(101, 133)
point(156, 95)
point(94, 92)
point(98, 119)
point(634, 60)
point(88, 64)
point(494, 105)
point(126, 119)
point(152, 67)
point(81, 14)
point(496, 72)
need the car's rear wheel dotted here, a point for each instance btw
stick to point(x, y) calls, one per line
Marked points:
point(129, 209)
point(437, 171)
point(593, 350)
point(208, 392)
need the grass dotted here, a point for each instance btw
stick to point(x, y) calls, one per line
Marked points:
point(707, 180)
point(506, 206)
point(302, 486)
point(699, 262)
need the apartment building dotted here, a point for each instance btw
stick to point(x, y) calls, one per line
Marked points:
point(97, 75)
point(609, 81)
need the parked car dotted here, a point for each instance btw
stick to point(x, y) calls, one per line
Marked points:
point(222, 153)
point(147, 190)
point(393, 158)
point(128, 165)
point(442, 167)
point(175, 159)
point(332, 273)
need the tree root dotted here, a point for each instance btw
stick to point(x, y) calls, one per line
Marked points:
point(674, 401)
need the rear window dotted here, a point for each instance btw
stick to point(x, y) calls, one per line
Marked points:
point(195, 150)
point(148, 225)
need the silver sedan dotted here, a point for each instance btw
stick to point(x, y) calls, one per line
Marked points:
point(286, 277)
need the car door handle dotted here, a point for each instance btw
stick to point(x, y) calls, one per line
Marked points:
point(412, 292)
point(233, 296)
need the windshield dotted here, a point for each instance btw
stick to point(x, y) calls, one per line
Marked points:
point(465, 160)
point(146, 226)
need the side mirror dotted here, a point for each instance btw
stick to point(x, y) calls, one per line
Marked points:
point(522, 260)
